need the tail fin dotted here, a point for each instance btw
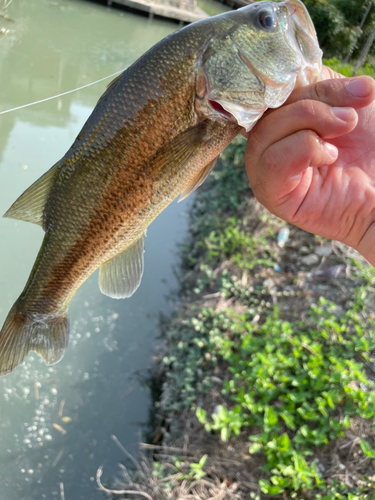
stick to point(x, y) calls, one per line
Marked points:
point(45, 334)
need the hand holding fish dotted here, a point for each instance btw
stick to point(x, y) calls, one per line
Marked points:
point(317, 171)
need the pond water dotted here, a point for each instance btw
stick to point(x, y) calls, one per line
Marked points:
point(56, 422)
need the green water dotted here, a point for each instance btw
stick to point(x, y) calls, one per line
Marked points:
point(213, 7)
point(52, 47)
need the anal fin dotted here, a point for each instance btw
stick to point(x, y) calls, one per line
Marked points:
point(29, 207)
point(120, 276)
point(198, 179)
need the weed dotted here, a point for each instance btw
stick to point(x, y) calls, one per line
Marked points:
point(298, 384)
point(196, 471)
point(347, 69)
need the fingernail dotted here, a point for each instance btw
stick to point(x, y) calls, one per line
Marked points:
point(360, 87)
point(332, 150)
point(345, 114)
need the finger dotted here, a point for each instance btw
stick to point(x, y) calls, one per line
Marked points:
point(325, 121)
point(329, 73)
point(283, 167)
point(354, 92)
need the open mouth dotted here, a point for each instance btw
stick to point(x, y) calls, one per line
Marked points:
point(219, 109)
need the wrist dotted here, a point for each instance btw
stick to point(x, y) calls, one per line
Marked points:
point(366, 246)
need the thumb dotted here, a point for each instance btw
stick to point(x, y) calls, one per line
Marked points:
point(336, 90)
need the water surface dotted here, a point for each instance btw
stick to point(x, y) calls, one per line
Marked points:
point(95, 391)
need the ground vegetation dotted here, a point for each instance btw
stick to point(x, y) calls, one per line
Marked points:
point(266, 367)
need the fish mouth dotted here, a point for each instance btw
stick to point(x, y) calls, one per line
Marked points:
point(237, 113)
point(216, 106)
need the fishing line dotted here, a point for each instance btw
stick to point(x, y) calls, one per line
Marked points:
point(59, 95)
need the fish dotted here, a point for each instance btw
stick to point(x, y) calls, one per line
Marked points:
point(155, 133)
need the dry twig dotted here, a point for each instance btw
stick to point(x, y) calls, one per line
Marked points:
point(117, 492)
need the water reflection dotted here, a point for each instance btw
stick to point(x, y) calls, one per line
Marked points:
point(56, 422)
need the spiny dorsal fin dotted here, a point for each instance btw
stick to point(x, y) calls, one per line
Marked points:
point(111, 86)
point(29, 207)
point(120, 276)
point(198, 180)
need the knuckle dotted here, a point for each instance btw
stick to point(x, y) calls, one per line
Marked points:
point(321, 92)
point(260, 189)
point(311, 141)
point(309, 144)
point(307, 108)
point(256, 142)
point(271, 161)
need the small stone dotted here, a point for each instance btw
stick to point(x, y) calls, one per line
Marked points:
point(304, 250)
point(310, 260)
point(328, 273)
point(290, 268)
point(269, 283)
point(323, 251)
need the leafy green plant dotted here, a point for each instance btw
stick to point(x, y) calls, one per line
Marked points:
point(196, 471)
point(224, 421)
point(347, 69)
point(294, 383)
point(367, 449)
point(228, 241)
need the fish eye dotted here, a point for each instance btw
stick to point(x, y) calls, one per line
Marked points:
point(266, 20)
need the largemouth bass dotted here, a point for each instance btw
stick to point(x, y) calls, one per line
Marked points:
point(156, 133)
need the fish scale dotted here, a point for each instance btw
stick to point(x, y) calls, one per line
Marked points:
point(156, 132)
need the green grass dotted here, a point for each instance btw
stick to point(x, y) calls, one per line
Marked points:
point(347, 69)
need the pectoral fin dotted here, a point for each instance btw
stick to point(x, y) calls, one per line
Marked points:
point(171, 157)
point(120, 276)
point(29, 207)
point(198, 180)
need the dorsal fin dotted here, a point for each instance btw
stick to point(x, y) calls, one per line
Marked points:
point(111, 86)
point(29, 207)
point(198, 180)
point(120, 276)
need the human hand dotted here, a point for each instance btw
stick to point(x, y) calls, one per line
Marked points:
point(311, 162)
